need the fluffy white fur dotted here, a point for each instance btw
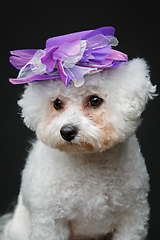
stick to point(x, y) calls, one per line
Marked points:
point(97, 183)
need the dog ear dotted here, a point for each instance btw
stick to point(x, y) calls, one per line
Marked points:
point(132, 90)
point(141, 88)
point(140, 75)
point(32, 106)
point(135, 85)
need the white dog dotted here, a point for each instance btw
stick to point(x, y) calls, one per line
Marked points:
point(85, 176)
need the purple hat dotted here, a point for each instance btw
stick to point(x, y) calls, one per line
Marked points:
point(68, 57)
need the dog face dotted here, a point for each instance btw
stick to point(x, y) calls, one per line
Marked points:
point(105, 110)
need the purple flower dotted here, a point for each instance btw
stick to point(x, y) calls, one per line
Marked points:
point(69, 57)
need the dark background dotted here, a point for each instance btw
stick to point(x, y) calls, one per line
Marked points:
point(27, 24)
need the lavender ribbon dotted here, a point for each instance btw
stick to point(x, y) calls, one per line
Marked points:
point(69, 57)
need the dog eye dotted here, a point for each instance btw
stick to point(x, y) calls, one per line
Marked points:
point(58, 104)
point(95, 101)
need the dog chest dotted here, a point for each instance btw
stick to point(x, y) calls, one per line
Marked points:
point(72, 186)
point(83, 189)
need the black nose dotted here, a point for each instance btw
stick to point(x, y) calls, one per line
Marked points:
point(68, 132)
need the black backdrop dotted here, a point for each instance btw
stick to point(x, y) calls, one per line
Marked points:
point(27, 25)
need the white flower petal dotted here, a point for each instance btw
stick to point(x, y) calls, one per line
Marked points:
point(35, 65)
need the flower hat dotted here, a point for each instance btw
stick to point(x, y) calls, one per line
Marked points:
point(69, 57)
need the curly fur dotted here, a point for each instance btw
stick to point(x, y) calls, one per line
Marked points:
point(97, 183)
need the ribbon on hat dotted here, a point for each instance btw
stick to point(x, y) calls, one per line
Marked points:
point(68, 57)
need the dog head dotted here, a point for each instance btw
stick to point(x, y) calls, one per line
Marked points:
point(105, 110)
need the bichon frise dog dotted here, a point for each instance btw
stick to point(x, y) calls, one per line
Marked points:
point(85, 176)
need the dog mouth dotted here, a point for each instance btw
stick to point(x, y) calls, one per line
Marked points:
point(77, 138)
point(73, 141)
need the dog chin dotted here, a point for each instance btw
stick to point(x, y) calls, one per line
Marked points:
point(79, 146)
point(76, 148)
